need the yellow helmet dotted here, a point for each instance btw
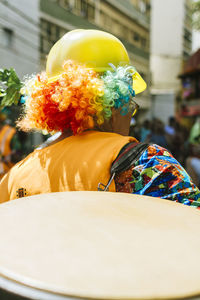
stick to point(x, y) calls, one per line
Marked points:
point(96, 49)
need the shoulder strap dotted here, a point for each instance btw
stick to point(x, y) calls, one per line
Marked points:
point(127, 156)
point(125, 159)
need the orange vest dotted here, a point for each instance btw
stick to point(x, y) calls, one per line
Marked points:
point(77, 163)
point(6, 135)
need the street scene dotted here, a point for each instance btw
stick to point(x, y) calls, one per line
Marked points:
point(162, 44)
point(99, 149)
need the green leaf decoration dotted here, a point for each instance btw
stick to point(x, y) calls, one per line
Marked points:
point(13, 78)
point(2, 93)
point(4, 74)
point(10, 86)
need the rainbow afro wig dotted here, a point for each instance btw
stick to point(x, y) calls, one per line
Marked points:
point(78, 100)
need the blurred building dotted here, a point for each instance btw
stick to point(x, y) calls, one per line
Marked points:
point(127, 19)
point(171, 42)
point(195, 40)
point(20, 43)
point(189, 108)
point(19, 36)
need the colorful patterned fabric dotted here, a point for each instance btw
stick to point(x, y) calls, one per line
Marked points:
point(157, 173)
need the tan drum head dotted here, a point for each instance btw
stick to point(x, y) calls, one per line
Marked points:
point(101, 245)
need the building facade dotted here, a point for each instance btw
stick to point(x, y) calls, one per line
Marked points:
point(189, 109)
point(19, 36)
point(171, 42)
point(128, 20)
point(20, 43)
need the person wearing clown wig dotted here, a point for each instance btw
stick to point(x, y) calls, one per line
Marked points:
point(87, 93)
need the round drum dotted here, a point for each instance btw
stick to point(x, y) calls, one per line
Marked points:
point(99, 245)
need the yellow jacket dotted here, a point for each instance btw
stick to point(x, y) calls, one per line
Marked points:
point(77, 163)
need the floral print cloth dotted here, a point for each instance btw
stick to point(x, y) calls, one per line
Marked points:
point(157, 173)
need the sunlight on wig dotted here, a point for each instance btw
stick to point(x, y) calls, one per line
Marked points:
point(77, 100)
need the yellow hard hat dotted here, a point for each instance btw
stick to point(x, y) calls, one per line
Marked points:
point(95, 49)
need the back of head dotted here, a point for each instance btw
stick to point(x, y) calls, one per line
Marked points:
point(88, 73)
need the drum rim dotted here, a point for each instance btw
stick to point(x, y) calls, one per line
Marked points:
point(20, 289)
point(31, 292)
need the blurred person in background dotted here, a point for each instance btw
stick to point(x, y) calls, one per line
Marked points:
point(179, 143)
point(13, 143)
point(87, 94)
point(158, 134)
point(193, 165)
point(145, 131)
point(7, 133)
point(134, 129)
point(176, 137)
point(170, 127)
point(193, 160)
point(194, 137)
point(170, 132)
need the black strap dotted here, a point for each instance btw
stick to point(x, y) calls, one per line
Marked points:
point(125, 159)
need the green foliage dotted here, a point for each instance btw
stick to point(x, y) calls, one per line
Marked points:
point(10, 86)
point(196, 14)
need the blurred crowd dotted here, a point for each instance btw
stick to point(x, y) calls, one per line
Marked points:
point(184, 144)
point(14, 144)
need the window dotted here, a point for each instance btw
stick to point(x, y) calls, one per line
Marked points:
point(83, 10)
point(143, 42)
point(50, 33)
point(45, 45)
point(77, 5)
point(142, 6)
point(103, 18)
point(7, 38)
point(187, 35)
point(62, 32)
point(124, 32)
point(136, 36)
point(90, 12)
point(65, 4)
point(107, 22)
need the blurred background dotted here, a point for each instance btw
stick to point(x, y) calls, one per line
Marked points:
point(163, 41)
